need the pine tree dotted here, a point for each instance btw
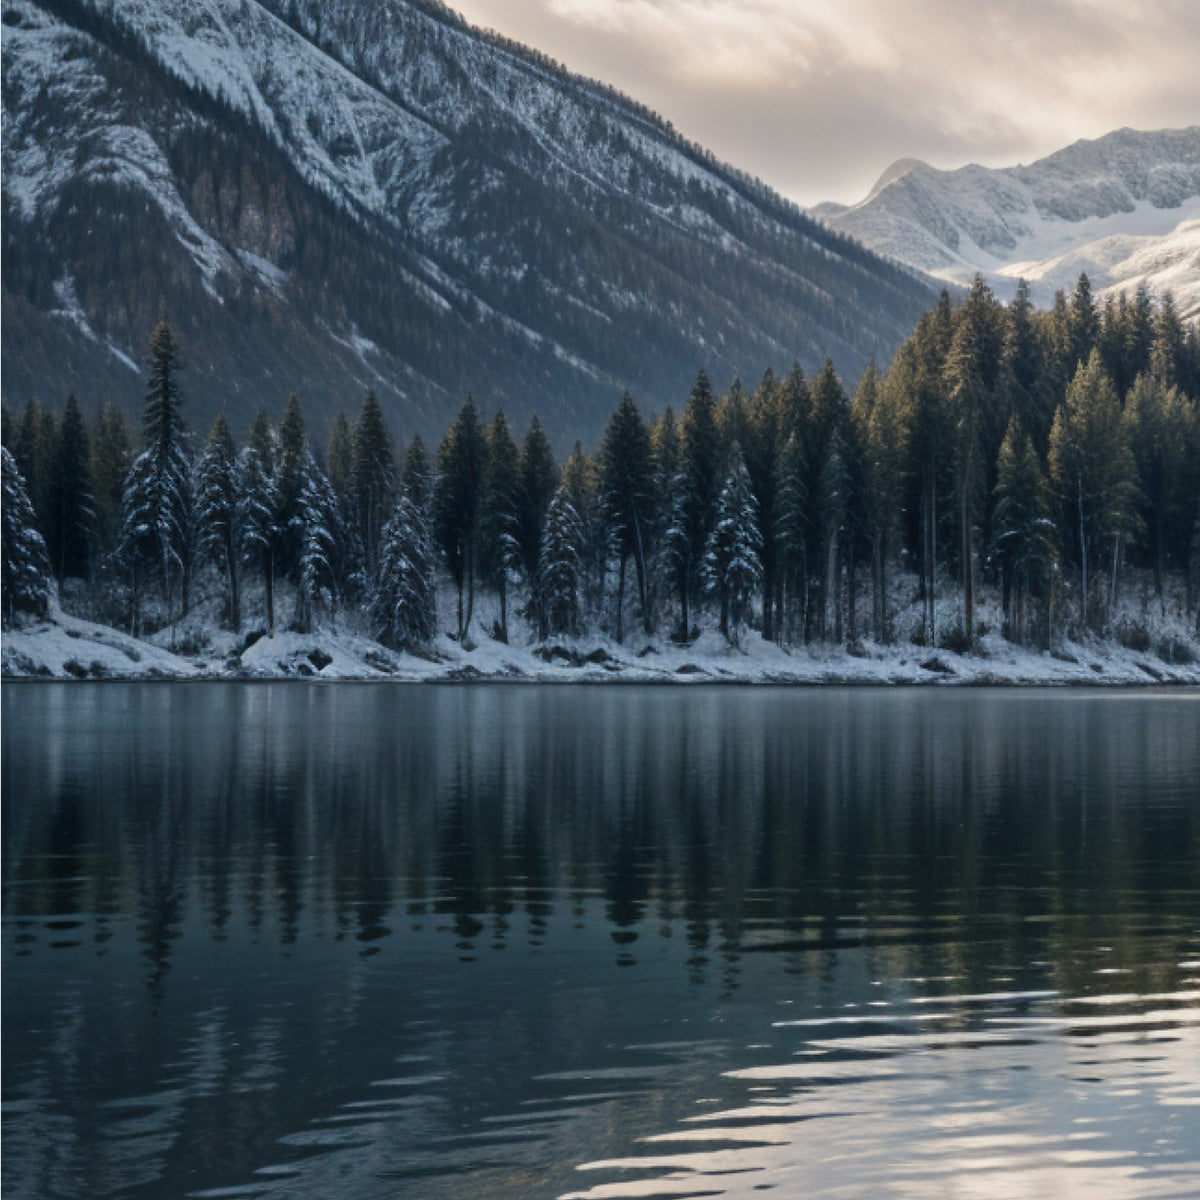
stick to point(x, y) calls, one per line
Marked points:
point(1024, 539)
point(112, 449)
point(156, 500)
point(760, 450)
point(218, 511)
point(416, 478)
point(792, 532)
point(404, 605)
point(627, 500)
point(26, 567)
point(372, 480)
point(1094, 472)
point(325, 553)
point(461, 459)
point(290, 474)
point(258, 509)
point(500, 515)
point(827, 487)
point(539, 480)
point(732, 561)
point(339, 457)
point(700, 477)
point(71, 507)
point(561, 567)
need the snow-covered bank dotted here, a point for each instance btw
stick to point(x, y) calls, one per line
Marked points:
point(64, 647)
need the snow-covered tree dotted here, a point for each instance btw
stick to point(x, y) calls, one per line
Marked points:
point(500, 515)
point(155, 502)
point(324, 545)
point(404, 604)
point(258, 510)
point(561, 564)
point(26, 567)
point(218, 528)
point(732, 567)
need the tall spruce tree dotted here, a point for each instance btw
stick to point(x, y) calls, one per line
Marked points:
point(461, 460)
point(218, 512)
point(561, 567)
point(325, 549)
point(732, 568)
point(699, 479)
point(539, 480)
point(112, 450)
point(156, 500)
point(627, 501)
point(26, 566)
point(258, 508)
point(500, 515)
point(71, 504)
point(1024, 538)
point(1095, 474)
point(372, 480)
point(404, 603)
point(339, 456)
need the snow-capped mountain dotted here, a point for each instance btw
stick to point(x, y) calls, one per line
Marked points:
point(1124, 208)
point(330, 195)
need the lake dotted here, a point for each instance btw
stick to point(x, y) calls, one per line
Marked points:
point(374, 941)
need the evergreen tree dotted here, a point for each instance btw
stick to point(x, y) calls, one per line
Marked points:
point(416, 479)
point(792, 533)
point(732, 561)
point(700, 476)
point(1024, 541)
point(760, 451)
point(404, 605)
point(258, 509)
point(372, 480)
point(827, 486)
point(325, 554)
point(1094, 472)
point(156, 501)
point(561, 566)
point(112, 449)
point(627, 500)
point(1083, 324)
point(290, 474)
point(26, 567)
point(1167, 352)
point(71, 506)
point(500, 515)
point(218, 512)
point(539, 480)
point(339, 457)
point(461, 459)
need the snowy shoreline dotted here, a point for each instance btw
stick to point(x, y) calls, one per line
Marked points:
point(67, 648)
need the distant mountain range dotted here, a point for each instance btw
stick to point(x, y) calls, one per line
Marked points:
point(1124, 208)
point(331, 195)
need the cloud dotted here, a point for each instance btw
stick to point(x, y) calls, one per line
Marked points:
point(819, 96)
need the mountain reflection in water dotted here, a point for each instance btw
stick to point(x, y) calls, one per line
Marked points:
point(369, 941)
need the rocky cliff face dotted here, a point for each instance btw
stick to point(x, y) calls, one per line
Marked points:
point(330, 196)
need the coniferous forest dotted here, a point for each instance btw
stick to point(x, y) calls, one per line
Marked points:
point(1044, 459)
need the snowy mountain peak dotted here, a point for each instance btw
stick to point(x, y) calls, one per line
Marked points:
point(1122, 207)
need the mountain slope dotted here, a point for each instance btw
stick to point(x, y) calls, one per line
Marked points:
point(1125, 208)
point(329, 196)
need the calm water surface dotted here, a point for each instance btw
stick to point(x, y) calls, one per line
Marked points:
point(523, 942)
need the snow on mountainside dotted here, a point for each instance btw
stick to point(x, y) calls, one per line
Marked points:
point(1124, 208)
point(330, 195)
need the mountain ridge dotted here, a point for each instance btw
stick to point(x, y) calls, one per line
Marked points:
point(1046, 220)
point(394, 199)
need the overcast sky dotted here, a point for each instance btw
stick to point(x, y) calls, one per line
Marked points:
point(819, 96)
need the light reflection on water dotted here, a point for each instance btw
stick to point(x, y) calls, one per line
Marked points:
point(301, 942)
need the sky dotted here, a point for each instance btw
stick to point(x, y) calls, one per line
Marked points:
point(818, 97)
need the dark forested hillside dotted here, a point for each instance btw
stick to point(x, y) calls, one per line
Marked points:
point(326, 197)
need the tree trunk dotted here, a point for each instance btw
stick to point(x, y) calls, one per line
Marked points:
point(504, 607)
point(967, 565)
point(620, 629)
point(1083, 560)
point(269, 580)
point(469, 561)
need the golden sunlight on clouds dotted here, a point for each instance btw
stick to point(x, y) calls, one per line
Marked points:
point(818, 96)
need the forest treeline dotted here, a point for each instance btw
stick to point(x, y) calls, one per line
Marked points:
point(1040, 453)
